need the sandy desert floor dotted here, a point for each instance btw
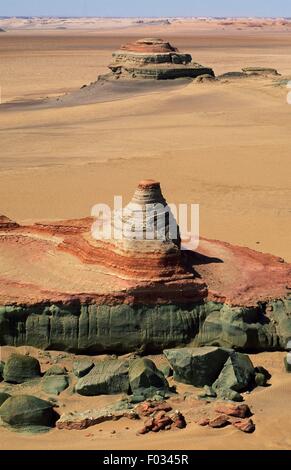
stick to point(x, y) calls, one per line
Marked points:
point(225, 146)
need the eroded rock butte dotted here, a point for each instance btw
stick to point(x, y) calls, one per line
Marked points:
point(62, 289)
point(153, 58)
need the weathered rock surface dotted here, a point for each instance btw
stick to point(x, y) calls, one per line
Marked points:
point(143, 374)
point(19, 368)
point(55, 384)
point(91, 293)
point(3, 397)
point(153, 58)
point(245, 425)
point(106, 378)
point(260, 71)
point(55, 370)
point(26, 410)
point(231, 409)
point(197, 366)
point(82, 367)
point(219, 421)
point(85, 419)
point(237, 374)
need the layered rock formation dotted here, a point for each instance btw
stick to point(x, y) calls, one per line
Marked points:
point(63, 289)
point(153, 58)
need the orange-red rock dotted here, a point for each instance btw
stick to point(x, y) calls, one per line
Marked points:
point(233, 409)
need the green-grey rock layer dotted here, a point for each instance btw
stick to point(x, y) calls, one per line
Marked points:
point(150, 328)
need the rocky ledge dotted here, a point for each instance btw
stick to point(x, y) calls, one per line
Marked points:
point(63, 289)
point(152, 58)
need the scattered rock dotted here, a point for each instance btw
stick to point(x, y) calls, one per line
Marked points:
point(55, 384)
point(150, 407)
point(219, 422)
point(26, 410)
point(20, 368)
point(56, 370)
point(237, 373)
point(106, 378)
point(246, 425)
point(85, 419)
point(143, 374)
point(178, 420)
point(3, 397)
point(203, 422)
point(82, 367)
point(160, 420)
point(197, 366)
point(231, 409)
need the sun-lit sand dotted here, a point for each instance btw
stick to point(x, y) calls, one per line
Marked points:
point(224, 145)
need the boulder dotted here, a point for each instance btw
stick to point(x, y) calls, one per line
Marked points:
point(237, 374)
point(55, 384)
point(245, 425)
point(143, 374)
point(55, 370)
point(107, 377)
point(219, 421)
point(20, 368)
point(232, 409)
point(82, 367)
point(197, 366)
point(3, 397)
point(26, 410)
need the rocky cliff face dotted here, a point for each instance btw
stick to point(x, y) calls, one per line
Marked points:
point(62, 289)
point(153, 59)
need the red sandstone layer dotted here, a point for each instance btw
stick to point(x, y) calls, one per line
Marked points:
point(149, 46)
point(58, 262)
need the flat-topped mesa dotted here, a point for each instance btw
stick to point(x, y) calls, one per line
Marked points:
point(153, 58)
point(145, 238)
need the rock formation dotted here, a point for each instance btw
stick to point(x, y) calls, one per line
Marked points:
point(156, 59)
point(63, 289)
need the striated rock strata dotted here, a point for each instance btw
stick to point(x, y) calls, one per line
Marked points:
point(153, 58)
point(62, 289)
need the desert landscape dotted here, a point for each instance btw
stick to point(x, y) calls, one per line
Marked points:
point(69, 142)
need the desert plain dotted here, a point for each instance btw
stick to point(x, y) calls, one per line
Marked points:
point(224, 145)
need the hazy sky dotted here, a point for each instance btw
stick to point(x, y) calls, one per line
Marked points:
point(145, 8)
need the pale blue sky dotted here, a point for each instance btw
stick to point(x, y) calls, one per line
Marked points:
point(145, 8)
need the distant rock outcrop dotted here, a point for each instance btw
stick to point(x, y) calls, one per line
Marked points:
point(153, 58)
